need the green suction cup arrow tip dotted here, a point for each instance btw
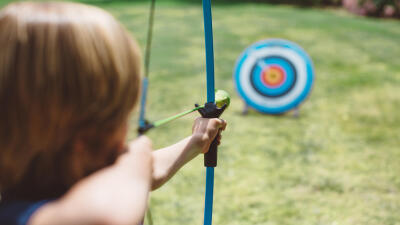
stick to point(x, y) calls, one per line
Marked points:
point(221, 98)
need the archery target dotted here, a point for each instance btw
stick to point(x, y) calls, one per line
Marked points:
point(274, 76)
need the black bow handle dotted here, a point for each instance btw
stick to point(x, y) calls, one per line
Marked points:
point(211, 110)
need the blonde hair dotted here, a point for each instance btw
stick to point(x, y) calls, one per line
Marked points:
point(64, 68)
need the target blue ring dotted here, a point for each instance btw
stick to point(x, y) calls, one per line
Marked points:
point(289, 104)
point(260, 86)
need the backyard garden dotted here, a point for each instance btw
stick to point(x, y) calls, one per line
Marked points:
point(336, 163)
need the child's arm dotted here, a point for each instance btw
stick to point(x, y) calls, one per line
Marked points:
point(167, 161)
point(118, 194)
point(115, 195)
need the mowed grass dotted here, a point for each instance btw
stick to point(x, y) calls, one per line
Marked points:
point(338, 163)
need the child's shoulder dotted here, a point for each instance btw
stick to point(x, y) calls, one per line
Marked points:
point(18, 212)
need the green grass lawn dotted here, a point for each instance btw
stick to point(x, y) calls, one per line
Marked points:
point(338, 163)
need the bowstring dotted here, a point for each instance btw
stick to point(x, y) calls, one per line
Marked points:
point(145, 82)
point(149, 38)
point(147, 57)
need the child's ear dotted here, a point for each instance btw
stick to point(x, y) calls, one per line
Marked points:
point(80, 159)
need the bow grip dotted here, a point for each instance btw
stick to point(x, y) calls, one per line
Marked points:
point(211, 110)
point(211, 157)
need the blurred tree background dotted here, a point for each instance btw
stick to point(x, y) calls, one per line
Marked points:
point(375, 8)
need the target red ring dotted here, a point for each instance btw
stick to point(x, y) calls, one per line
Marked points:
point(273, 76)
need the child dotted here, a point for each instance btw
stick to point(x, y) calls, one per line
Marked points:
point(69, 79)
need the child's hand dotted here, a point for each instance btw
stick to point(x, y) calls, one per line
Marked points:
point(205, 130)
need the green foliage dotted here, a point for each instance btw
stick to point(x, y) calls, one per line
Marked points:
point(380, 5)
point(304, 2)
point(292, 2)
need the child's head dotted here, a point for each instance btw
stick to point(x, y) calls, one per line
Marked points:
point(69, 77)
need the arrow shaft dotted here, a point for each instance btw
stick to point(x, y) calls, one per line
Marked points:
point(172, 118)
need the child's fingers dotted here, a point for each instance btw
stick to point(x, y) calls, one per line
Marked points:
point(219, 123)
point(219, 137)
point(224, 124)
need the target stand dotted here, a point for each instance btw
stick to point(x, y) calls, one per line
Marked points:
point(274, 76)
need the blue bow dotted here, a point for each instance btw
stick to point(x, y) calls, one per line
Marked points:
point(210, 159)
point(210, 110)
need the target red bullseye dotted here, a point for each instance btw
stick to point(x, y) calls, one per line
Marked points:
point(274, 76)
